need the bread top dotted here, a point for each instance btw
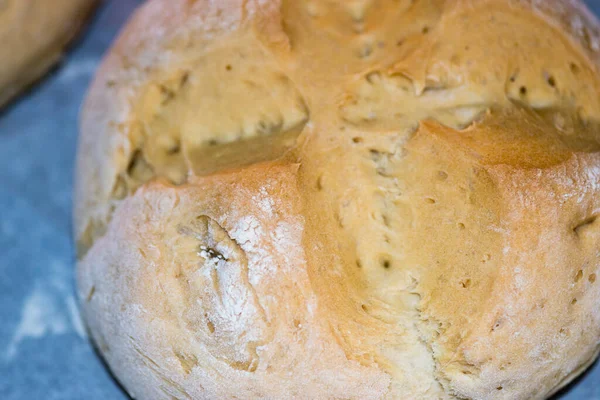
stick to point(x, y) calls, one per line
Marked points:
point(33, 35)
point(435, 163)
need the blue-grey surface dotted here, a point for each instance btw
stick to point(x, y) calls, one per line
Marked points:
point(44, 352)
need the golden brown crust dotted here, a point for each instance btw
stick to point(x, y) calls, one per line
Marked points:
point(247, 314)
point(381, 199)
point(34, 35)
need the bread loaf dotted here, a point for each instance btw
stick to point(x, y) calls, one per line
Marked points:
point(33, 37)
point(327, 199)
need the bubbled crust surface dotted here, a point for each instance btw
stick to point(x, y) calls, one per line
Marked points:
point(33, 36)
point(326, 199)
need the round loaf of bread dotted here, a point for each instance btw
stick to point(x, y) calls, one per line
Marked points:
point(33, 37)
point(328, 199)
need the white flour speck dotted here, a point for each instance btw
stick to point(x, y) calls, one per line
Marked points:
point(264, 201)
point(39, 317)
point(76, 317)
point(77, 70)
point(50, 309)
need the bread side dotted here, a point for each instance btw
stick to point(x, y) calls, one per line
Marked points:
point(244, 323)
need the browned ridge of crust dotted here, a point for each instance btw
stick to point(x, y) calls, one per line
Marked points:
point(370, 199)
